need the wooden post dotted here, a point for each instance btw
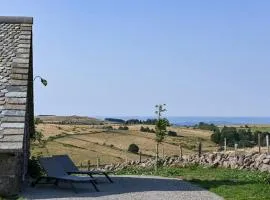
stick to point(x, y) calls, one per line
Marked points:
point(267, 143)
point(163, 151)
point(88, 165)
point(225, 145)
point(81, 165)
point(180, 151)
point(156, 165)
point(235, 149)
point(140, 156)
point(200, 149)
point(259, 142)
point(98, 162)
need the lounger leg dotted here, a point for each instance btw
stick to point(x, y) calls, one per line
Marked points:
point(73, 187)
point(33, 184)
point(94, 185)
point(111, 181)
point(56, 182)
point(89, 174)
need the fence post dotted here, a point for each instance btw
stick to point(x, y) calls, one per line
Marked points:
point(200, 149)
point(156, 166)
point(235, 148)
point(180, 151)
point(163, 151)
point(140, 157)
point(267, 143)
point(81, 165)
point(98, 162)
point(88, 165)
point(225, 145)
point(259, 142)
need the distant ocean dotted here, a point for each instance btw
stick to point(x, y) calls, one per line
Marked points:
point(188, 121)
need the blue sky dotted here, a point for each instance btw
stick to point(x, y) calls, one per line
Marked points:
point(118, 58)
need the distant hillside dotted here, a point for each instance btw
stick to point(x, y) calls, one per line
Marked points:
point(85, 143)
point(69, 120)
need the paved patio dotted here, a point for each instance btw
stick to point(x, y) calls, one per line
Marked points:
point(124, 188)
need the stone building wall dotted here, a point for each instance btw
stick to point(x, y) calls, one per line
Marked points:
point(16, 101)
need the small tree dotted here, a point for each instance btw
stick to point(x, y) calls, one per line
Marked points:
point(133, 148)
point(161, 127)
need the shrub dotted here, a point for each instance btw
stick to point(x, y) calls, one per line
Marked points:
point(122, 128)
point(133, 148)
point(147, 129)
point(34, 168)
point(38, 121)
point(108, 127)
point(172, 133)
point(38, 136)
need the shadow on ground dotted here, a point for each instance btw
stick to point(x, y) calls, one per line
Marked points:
point(122, 185)
point(208, 184)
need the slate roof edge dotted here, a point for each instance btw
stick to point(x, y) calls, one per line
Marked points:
point(16, 20)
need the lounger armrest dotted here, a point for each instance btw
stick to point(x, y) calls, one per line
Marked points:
point(77, 172)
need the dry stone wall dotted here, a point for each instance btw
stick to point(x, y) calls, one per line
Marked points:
point(251, 161)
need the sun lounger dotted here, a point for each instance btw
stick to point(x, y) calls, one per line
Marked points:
point(56, 173)
point(71, 168)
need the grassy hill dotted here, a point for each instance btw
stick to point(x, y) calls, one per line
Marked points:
point(89, 142)
point(69, 119)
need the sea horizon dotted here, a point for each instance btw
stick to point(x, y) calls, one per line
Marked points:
point(192, 120)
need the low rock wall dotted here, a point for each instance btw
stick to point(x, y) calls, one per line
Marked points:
point(251, 161)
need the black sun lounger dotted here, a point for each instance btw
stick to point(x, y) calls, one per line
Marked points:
point(70, 167)
point(56, 173)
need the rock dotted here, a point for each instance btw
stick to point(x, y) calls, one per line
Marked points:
point(264, 168)
point(143, 165)
point(260, 158)
point(266, 160)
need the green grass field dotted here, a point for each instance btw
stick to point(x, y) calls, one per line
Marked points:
point(228, 183)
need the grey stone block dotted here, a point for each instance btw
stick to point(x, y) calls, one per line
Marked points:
point(13, 112)
point(19, 76)
point(12, 138)
point(16, 94)
point(12, 125)
point(20, 70)
point(24, 46)
point(15, 107)
point(26, 28)
point(16, 100)
point(23, 50)
point(13, 119)
point(18, 82)
point(26, 32)
point(25, 41)
point(21, 60)
point(13, 131)
point(23, 55)
point(17, 20)
point(11, 88)
point(10, 147)
point(25, 37)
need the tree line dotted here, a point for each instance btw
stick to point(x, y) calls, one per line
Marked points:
point(242, 136)
point(137, 121)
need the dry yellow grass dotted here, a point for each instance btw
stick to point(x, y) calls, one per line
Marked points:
point(87, 142)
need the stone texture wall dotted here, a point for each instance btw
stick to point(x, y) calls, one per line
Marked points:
point(251, 161)
point(29, 117)
point(10, 173)
point(16, 101)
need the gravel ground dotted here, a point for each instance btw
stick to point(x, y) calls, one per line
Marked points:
point(123, 188)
